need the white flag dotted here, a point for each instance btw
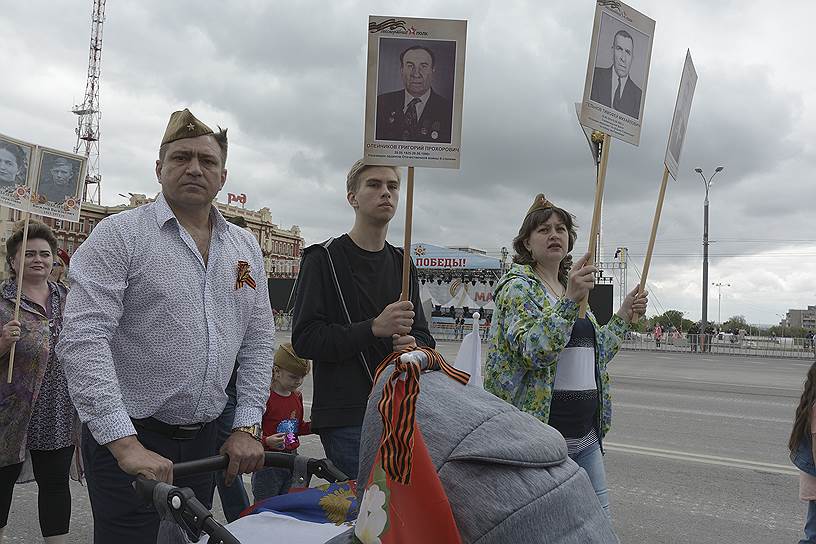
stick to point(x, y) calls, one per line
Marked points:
point(469, 357)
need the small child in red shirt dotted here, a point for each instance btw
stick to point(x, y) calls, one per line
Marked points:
point(283, 420)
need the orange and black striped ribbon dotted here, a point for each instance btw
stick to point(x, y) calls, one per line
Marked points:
point(243, 276)
point(399, 414)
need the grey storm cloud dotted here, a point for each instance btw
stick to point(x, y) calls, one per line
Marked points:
point(288, 80)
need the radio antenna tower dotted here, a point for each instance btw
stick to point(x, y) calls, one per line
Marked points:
point(89, 113)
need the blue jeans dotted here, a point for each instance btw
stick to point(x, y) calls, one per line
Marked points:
point(234, 498)
point(810, 525)
point(271, 481)
point(342, 447)
point(591, 460)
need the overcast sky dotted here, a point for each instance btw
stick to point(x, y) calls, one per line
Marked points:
point(287, 79)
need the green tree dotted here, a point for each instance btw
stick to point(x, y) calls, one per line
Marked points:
point(642, 325)
point(671, 318)
point(791, 332)
point(734, 324)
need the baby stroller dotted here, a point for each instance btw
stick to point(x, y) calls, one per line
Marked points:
point(179, 506)
point(506, 475)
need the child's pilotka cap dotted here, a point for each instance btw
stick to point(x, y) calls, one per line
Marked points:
point(287, 359)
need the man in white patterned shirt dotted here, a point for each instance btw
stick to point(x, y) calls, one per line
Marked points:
point(165, 298)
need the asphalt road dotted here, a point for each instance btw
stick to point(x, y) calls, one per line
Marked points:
point(697, 452)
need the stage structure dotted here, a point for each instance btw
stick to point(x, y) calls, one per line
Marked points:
point(453, 285)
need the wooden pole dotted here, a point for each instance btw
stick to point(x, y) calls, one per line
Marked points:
point(19, 293)
point(596, 213)
point(655, 222)
point(406, 246)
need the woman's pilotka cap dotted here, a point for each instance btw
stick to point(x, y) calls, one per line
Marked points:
point(63, 256)
point(540, 203)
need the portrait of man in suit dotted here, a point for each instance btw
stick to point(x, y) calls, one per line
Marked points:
point(612, 86)
point(415, 113)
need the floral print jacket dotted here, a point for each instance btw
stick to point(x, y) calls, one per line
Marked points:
point(528, 335)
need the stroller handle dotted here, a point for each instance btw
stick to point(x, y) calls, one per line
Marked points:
point(184, 508)
point(192, 516)
point(322, 468)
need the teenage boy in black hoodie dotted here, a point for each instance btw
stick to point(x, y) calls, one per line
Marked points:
point(347, 315)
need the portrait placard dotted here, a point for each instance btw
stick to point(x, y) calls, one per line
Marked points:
point(59, 181)
point(414, 89)
point(682, 109)
point(17, 167)
point(617, 71)
point(588, 133)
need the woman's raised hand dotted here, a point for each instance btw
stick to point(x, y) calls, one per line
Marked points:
point(634, 304)
point(581, 279)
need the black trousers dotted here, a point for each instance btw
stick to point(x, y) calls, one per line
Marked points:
point(120, 517)
point(51, 469)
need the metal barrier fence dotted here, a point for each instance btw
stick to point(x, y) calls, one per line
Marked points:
point(757, 346)
point(450, 333)
point(752, 346)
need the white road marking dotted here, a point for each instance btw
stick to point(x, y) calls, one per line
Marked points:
point(704, 459)
point(652, 408)
point(699, 396)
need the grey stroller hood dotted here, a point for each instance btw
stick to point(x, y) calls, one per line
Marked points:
point(506, 474)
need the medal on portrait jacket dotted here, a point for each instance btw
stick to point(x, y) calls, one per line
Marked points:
point(243, 276)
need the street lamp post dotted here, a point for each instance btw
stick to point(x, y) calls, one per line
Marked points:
point(707, 185)
point(719, 286)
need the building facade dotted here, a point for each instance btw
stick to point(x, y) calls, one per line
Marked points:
point(805, 319)
point(281, 248)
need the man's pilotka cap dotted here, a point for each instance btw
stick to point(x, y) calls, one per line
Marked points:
point(287, 359)
point(183, 124)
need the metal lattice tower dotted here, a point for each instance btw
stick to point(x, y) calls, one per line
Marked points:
point(89, 112)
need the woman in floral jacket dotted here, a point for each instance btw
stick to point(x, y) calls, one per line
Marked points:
point(544, 359)
point(37, 419)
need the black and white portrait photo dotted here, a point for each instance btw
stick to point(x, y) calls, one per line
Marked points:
point(15, 158)
point(682, 110)
point(617, 82)
point(617, 75)
point(414, 89)
point(58, 178)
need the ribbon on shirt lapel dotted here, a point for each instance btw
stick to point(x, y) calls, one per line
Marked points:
point(243, 276)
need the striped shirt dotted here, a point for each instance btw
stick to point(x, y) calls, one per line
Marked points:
point(151, 331)
point(574, 405)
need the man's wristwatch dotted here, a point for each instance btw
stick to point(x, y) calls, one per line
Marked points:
point(255, 431)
